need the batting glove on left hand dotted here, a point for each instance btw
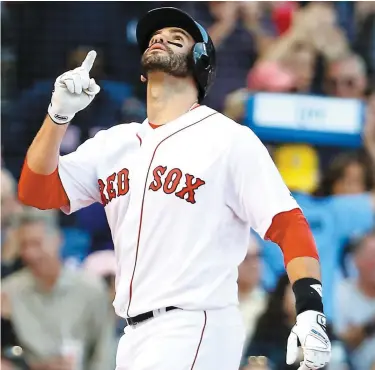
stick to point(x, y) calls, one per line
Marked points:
point(73, 91)
point(310, 329)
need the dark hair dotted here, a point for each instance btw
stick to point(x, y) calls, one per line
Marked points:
point(272, 324)
point(336, 170)
point(33, 216)
point(108, 280)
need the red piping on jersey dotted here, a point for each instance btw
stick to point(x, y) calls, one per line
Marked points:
point(200, 340)
point(143, 201)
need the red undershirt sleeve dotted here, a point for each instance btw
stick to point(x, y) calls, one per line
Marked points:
point(41, 191)
point(291, 232)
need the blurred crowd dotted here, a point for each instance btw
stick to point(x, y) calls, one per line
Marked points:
point(58, 272)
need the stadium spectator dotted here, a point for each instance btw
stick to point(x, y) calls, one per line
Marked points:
point(266, 76)
point(364, 44)
point(346, 77)
point(236, 47)
point(103, 264)
point(354, 319)
point(273, 327)
point(10, 207)
point(348, 173)
point(57, 313)
point(257, 363)
point(311, 33)
point(9, 201)
point(353, 172)
point(252, 297)
point(12, 356)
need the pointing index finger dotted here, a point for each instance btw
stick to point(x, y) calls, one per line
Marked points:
point(89, 60)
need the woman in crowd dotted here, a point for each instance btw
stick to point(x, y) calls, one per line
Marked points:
point(348, 173)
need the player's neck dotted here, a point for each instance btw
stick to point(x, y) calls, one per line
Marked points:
point(168, 97)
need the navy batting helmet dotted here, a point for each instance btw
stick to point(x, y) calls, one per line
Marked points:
point(203, 51)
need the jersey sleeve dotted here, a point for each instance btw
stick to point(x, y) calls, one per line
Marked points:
point(256, 191)
point(78, 174)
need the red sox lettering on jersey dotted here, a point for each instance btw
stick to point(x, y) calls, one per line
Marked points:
point(107, 190)
point(168, 184)
point(172, 180)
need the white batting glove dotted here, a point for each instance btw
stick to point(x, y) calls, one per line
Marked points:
point(310, 329)
point(74, 91)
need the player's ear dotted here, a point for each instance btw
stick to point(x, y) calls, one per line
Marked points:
point(143, 78)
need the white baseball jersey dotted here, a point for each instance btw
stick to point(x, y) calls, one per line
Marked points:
point(180, 201)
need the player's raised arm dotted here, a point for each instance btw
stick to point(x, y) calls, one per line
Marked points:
point(40, 185)
point(261, 198)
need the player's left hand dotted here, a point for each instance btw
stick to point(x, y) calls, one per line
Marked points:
point(310, 330)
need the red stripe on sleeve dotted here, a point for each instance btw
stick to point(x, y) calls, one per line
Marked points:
point(291, 232)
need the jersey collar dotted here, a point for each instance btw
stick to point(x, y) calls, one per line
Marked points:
point(189, 118)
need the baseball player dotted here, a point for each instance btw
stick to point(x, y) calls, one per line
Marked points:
point(181, 191)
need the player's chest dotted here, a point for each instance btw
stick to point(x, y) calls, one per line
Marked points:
point(180, 167)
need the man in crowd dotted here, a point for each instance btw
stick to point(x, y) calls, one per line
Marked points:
point(354, 319)
point(9, 201)
point(10, 206)
point(57, 314)
point(346, 77)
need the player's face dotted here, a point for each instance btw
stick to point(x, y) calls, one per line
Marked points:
point(168, 52)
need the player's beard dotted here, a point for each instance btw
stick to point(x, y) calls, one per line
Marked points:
point(176, 65)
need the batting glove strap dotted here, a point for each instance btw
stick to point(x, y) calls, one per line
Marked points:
point(58, 118)
point(310, 330)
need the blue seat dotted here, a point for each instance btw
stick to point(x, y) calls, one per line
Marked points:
point(92, 219)
point(102, 246)
point(119, 91)
point(76, 244)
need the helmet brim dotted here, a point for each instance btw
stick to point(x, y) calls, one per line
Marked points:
point(160, 18)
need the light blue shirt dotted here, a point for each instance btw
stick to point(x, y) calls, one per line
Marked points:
point(333, 220)
point(352, 307)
